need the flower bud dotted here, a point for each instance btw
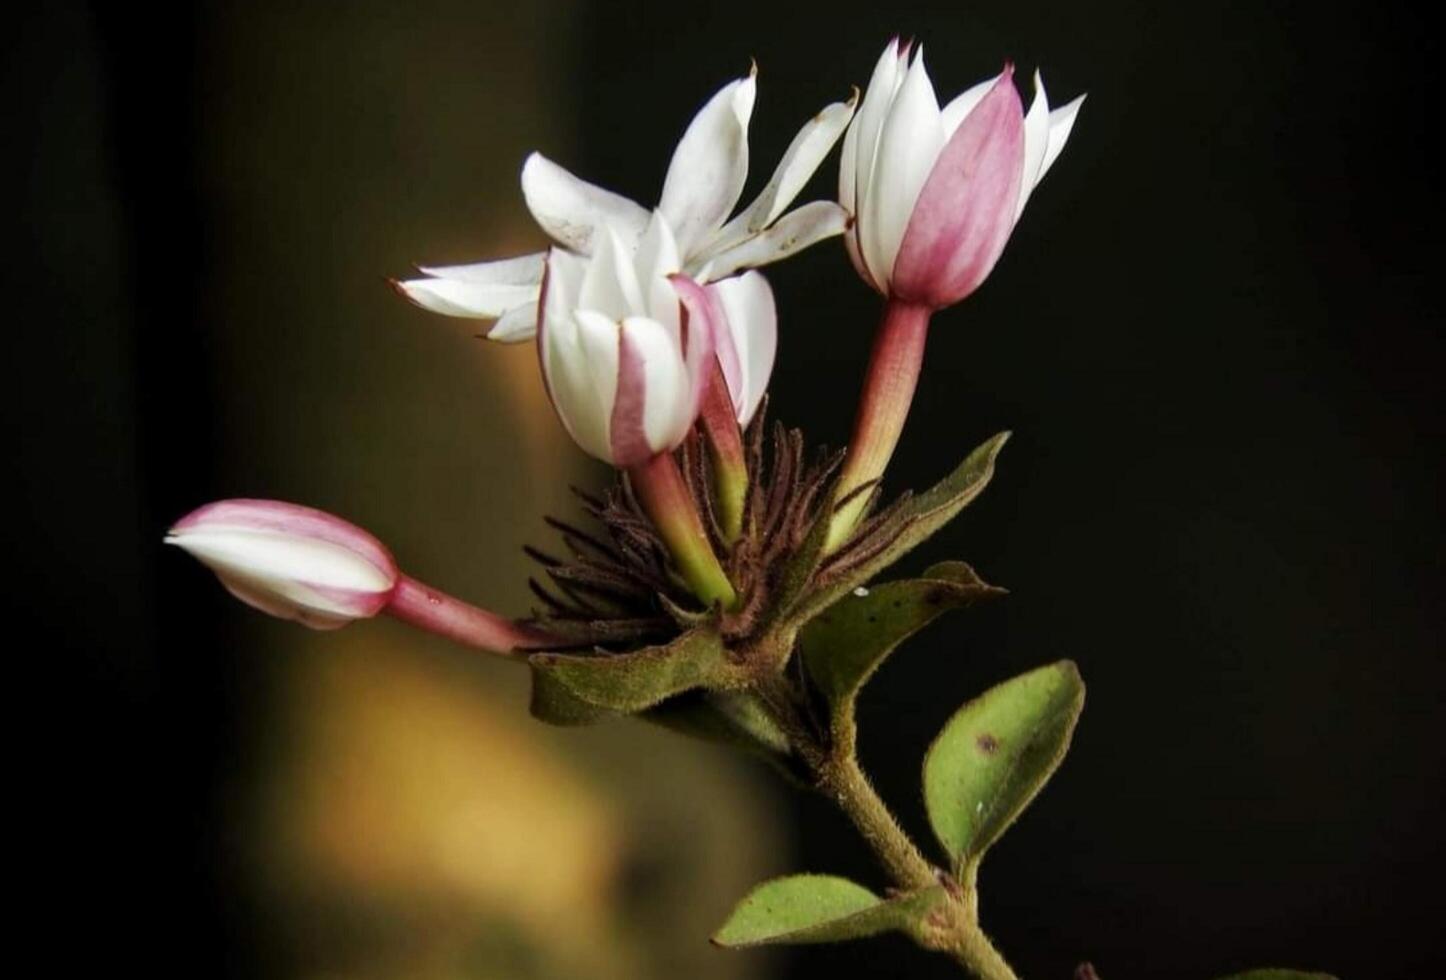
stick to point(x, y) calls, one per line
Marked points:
point(935, 193)
point(290, 561)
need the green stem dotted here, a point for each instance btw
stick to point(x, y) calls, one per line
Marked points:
point(836, 769)
point(665, 498)
point(846, 784)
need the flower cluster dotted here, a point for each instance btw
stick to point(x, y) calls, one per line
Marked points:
point(656, 336)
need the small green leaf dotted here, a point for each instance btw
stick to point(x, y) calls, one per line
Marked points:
point(995, 754)
point(1278, 974)
point(844, 645)
point(820, 909)
point(569, 688)
point(914, 523)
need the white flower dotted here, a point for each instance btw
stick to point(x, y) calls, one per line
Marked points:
point(702, 187)
point(624, 379)
point(290, 561)
point(935, 193)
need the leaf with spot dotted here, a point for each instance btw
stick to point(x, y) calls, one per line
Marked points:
point(821, 909)
point(843, 646)
point(995, 755)
point(912, 523)
point(571, 689)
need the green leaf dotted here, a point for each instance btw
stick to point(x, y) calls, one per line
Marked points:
point(914, 523)
point(844, 645)
point(572, 689)
point(820, 909)
point(995, 754)
point(1278, 974)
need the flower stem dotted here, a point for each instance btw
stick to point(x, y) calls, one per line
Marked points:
point(848, 786)
point(725, 450)
point(893, 374)
point(661, 490)
point(426, 608)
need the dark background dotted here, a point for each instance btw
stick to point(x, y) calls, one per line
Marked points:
point(1216, 335)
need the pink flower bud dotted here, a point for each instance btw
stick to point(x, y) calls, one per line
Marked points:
point(935, 193)
point(290, 561)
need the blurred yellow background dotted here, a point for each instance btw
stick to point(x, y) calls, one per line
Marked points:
point(406, 818)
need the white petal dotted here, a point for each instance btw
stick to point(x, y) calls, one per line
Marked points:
point(909, 144)
point(962, 104)
point(794, 232)
point(523, 270)
point(582, 378)
point(453, 297)
point(657, 259)
point(667, 398)
point(752, 320)
point(1061, 121)
point(709, 166)
point(569, 208)
point(860, 145)
point(856, 164)
point(800, 160)
point(516, 325)
point(610, 284)
point(1036, 142)
point(290, 577)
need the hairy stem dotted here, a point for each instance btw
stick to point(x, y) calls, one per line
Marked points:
point(845, 783)
point(837, 773)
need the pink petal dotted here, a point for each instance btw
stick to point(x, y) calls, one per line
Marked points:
point(966, 210)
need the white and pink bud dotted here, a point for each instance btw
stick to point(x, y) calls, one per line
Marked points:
point(935, 193)
point(290, 561)
point(303, 564)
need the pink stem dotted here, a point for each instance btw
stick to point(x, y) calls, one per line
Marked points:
point(428, 609)
point(888, 393)
point(725, 447)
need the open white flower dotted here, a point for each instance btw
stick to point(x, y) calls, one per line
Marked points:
point(702, 187)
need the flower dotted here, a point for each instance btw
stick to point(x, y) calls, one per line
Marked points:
point(290, 561)
point(934, 193)
point(624, 375)
point(702, 187)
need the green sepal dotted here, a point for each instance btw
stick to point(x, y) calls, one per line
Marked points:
point(793, 584)
point(845, 644)
point(731, 717)
point(910, 525)
point(1278, 974)
point(821, 909)
point(572, 689)
point(995, 755)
